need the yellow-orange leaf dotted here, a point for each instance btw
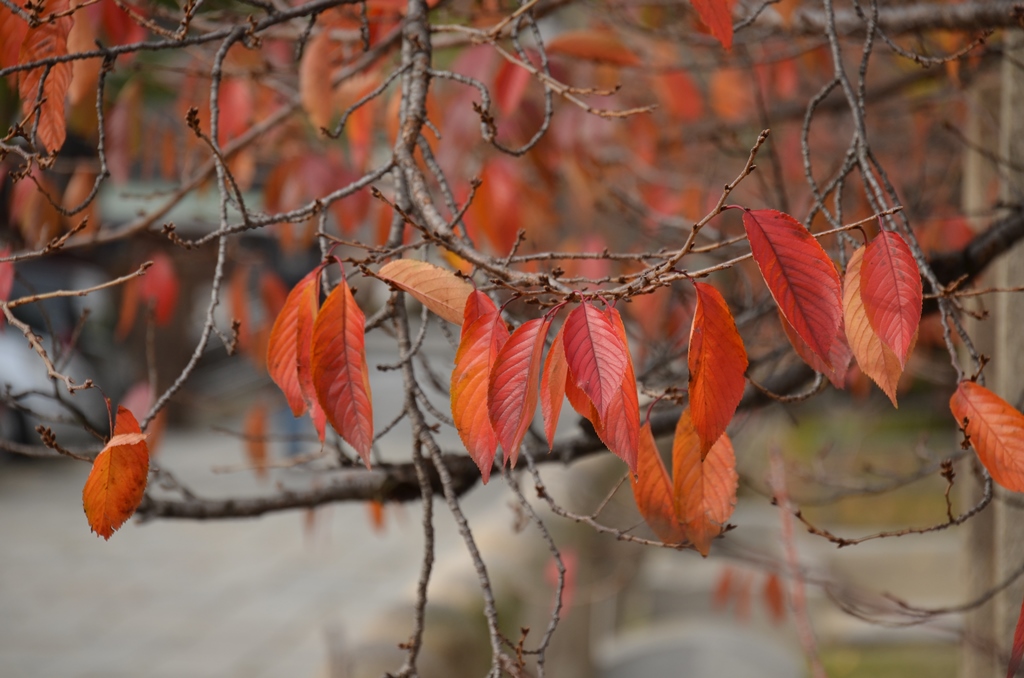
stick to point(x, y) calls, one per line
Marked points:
point(996, 431)
point(718, 364)
point(117, 481)
point(594, 45)
point(874, 358)
point(315, 80)
point(438, 289)
point(653, 491)
point(46, 41)
point(255, 430)
point(705, 491)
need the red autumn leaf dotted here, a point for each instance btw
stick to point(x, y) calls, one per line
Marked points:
point(679, 95)
point(597, 359)
point(775, 598)
point(800, 276)
point(283, 347)
point(717, 16)
point(339, 370)
point(1018, 645)
point(653, 491)
point(315, 89)
point(376, 511)
point(509, 86)
point(255, 432)
point(718, 363)
point(48, 40)
point(840, 355)
point(874, 358)
point(704, 491)
point(305, 319)
point(996, 431)
point(723, 588)
point(6, 274)
point(117, 481)
point(13, 30)
point(438, 289)
point(891, 291)
point(483, 335)
point(159, 288)
point(620, 427)
point(552, 387)
point(593, 45)
point(512, 389)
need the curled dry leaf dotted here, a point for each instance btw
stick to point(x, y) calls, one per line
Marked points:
point(800, 276)
point(339, 371)
point(513, 383)
point(117, 481)
point(438, 289)
point(483, 335)
point(996, 431)
point(704, 491)
point(718, 364)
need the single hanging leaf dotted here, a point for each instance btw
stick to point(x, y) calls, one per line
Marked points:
point(840, 355)
point(305, 319)
point(596, 356)
point(47, 41)
point(1018, 645)
point(512, 389)
point(438, 289)
point(874, 358)
point(995, 430)
point(717, 16)
point(339, 370)
point(483, 335)
point(282, 348)
point(800, 276)
point(890, 288)
point(653, 491)
point(705, 491)
point(255, 430)
point(117, 481)
point(315, 89)
point(159, 287)
point(552, 387)
point(718, 363)
point(619, 429)
point(775, 598)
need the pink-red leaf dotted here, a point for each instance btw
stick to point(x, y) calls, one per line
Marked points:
point(891, 291)
point(718, 363)
point(653, 491)
point(595, 353)
point(339, 370)
point(159, 288)
point(840, 355)
point(717, 16)
point(117, 481)
point(483, 335)
point(514, 380)
point(283, 346)
point(1018, 645)
point(620, 427)
point(552, 387)
point(438, 289)
point(799, 275)
point(704, 491)
point(996, 431)
point(874, 358)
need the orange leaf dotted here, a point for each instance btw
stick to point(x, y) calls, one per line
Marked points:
point(339, 370)
point(483, 335)
point(718, 363)
point(775, 598)
point(705, 491)
point(596, 356)
point(283, 347)
point(594, 45)
point(6, 274)
point(653, 491)
point(117, 482)
point(552, 387)
point(512, 387)
point(874, 358)
point(255, 431)
point(438, 289)
point(800, 276)
point(717, 16)
point(159, 287)
point(315, 80)
point(840, 354)
point(619, 428)
point(47, 41)
point(509, 86)
point(995, 430)
point(309, 304)
point(891, 291)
